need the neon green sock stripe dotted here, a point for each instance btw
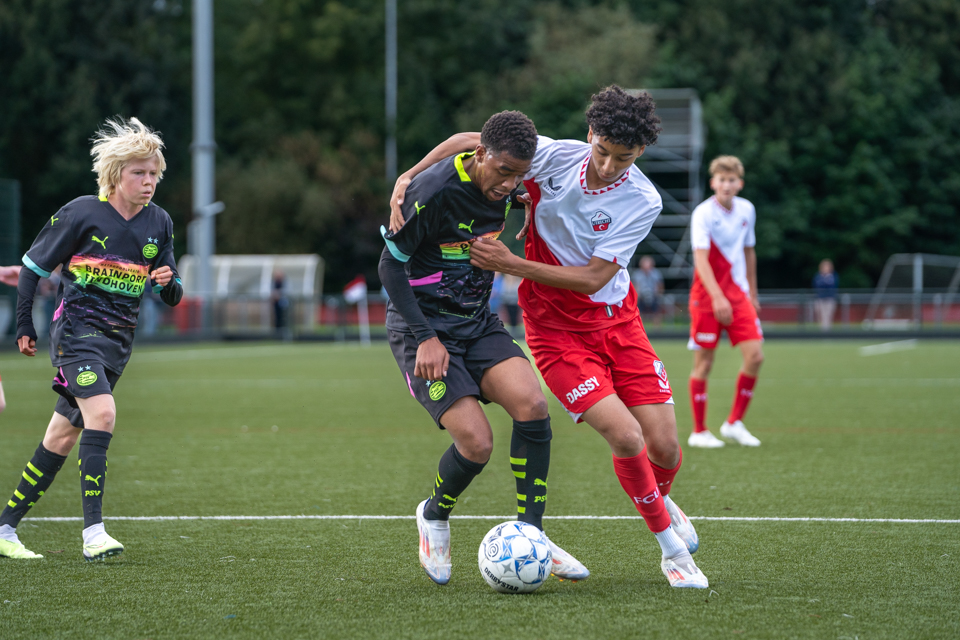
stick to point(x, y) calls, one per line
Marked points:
point(522, 497)
point(521, 509)
point(29, 479)
point(36, 471)
point(12, 504)
point(519, 461)
point(18, 494)
point(520, 474)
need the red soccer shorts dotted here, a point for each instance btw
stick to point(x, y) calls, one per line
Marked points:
point(583, 368)
point(705, 328)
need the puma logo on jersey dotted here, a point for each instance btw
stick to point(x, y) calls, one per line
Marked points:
point(96, 480)
point(102, 243)
point(467, 227)
point(418, 207)
point(52, 220)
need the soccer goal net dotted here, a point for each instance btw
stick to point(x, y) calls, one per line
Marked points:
point(915, 289)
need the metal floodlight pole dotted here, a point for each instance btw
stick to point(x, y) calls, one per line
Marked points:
point(203, 148)
point(391, 90)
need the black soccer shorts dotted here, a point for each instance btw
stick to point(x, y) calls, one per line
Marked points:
point(83, 379)
point(469, 359)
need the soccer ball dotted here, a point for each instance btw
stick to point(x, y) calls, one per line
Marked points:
point(515, 557)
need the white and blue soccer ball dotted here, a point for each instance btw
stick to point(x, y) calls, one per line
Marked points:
point(515, 557)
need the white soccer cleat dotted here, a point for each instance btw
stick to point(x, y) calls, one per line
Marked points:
point(681, 525)
point(101, 547)
point(738, 432)
point(434, 546)
point(705, 440)
point(564, 565)
point(683, 573)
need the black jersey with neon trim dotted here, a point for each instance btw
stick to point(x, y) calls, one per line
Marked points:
point(444, 214)
point(106, 262)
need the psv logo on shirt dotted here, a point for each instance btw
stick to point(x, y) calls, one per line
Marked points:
point(600, 221)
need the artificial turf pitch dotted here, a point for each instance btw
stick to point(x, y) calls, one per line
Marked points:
point(227, 430)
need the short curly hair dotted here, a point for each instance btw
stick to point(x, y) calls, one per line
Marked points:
point(624, 119)
point(512, 132)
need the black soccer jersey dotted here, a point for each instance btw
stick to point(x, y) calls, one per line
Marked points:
point(444, 215)
point(107, 262)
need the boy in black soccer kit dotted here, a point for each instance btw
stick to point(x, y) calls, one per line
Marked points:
point(451, 349)
point(112, 247)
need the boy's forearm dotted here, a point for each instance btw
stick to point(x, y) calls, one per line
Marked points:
point(172, 293)
point(586, 280)
point(750, 256)
point(701, 262)
point(26, 291)
point(457, 143)
point(394, 280)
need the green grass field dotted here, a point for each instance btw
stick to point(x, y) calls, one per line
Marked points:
point(237, 430)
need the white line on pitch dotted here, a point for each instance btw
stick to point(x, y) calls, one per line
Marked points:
point(888, 347)
point(501, 518)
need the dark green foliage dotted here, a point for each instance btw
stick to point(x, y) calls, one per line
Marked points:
point(847, 116)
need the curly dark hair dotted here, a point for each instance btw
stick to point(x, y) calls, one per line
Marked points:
point(510, 131)
point(624, 119)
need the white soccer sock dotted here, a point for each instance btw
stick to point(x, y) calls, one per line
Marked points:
point(93, 532)
point(8, 533)
point(670, 543)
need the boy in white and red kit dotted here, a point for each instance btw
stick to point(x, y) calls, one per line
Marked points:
point(590, 208)
point(724, 298)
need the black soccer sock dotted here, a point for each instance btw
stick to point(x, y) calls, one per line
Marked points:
point(454, 475)
point(93, 473)
point(36, 479)
point(530, 461)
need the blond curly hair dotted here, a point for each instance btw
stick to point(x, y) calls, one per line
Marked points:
point(117, 144)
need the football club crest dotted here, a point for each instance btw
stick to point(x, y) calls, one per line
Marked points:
point(600, 221)
point(661, 372)
point(437, 389)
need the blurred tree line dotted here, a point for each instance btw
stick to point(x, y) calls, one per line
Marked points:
point(846, 115)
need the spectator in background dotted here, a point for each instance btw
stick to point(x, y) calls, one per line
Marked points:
point(826, 283)
point(509, 298)
point(648, 281)
point(281, 303)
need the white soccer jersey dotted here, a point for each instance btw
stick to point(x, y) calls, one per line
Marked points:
point(572, 224)
point(725, 233)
